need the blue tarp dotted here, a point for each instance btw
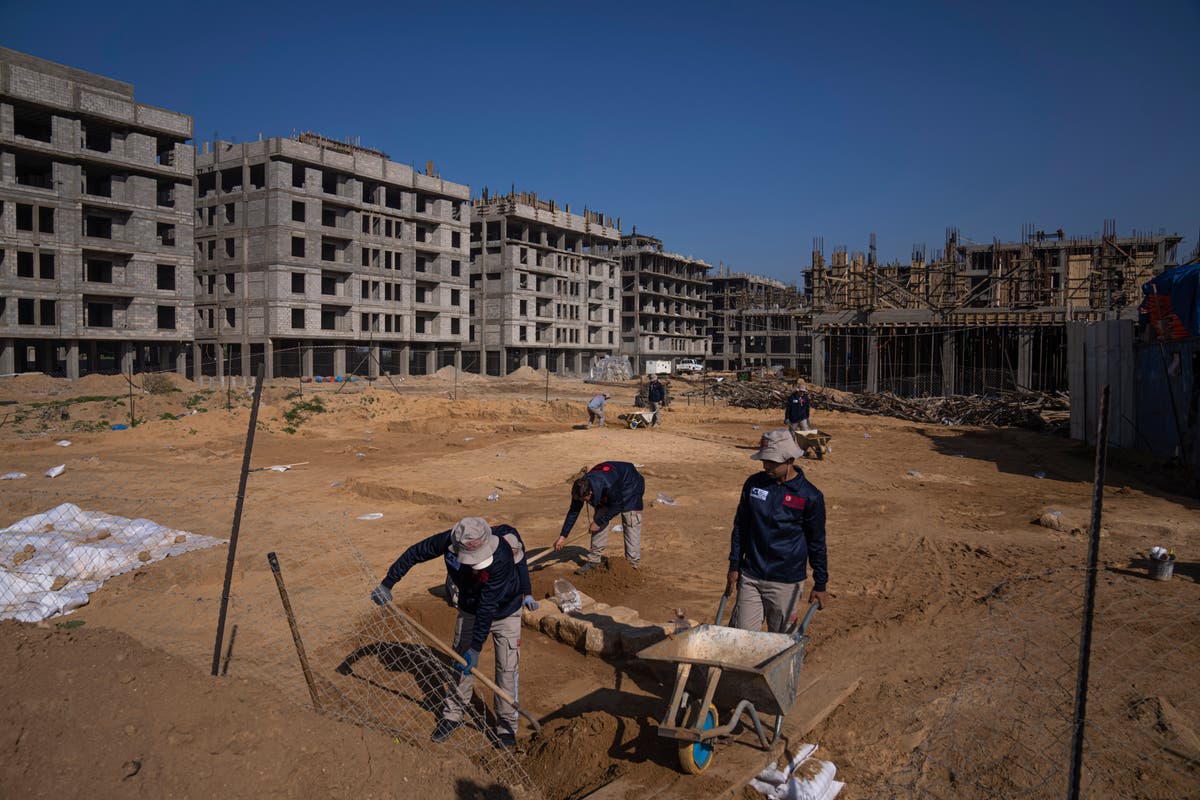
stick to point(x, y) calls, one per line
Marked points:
point(1172, 303)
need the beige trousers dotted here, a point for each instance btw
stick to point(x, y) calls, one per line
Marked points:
point(631, 524)
point(506, 637)
point(757, 599)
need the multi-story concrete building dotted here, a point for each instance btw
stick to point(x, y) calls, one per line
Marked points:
point(326, 258)
point(664, 302)
point(545, 286)
point(757, 321)
point(95, 224)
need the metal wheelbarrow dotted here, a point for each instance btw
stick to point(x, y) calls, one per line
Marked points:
point(761, 672)
point(638, 419)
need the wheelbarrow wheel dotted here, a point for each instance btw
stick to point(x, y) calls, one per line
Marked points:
point(633, 424)
point(695, 757)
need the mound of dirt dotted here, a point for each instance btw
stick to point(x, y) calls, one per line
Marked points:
point(524, 374)
point(570, 757)
point(447, 374)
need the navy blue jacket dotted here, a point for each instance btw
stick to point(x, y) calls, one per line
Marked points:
point(656, 392)
point(797, 407)
point(616, 486)
point(489, 594)
point(778, 528)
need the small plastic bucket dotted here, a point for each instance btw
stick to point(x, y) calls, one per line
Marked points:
point(1161, 569)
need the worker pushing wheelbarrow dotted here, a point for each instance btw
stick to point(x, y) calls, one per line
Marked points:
point(748, 673)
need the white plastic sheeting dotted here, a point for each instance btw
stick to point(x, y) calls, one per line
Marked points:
point(50, 563)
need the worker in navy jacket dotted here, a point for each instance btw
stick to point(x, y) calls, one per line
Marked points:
point(778, 530)
point(487, 565)
point(612, 488)
point(796, 410)
point(656, 396)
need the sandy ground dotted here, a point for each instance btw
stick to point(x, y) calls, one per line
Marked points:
point(925, 525)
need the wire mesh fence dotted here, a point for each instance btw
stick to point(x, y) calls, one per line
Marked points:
point(1007, 730)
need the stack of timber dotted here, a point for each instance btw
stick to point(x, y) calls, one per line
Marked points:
point(1035, 410)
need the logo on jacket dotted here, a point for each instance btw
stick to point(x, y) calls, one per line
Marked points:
point(758, 493)
point(792, 501)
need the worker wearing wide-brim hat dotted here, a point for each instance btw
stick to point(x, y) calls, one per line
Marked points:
point(778, 530)
point(595, 409)
point(796, 410)
point(487, 565)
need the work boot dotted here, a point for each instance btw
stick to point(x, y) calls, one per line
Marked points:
point(587, 567)
point(444, 728)
point(505, 741)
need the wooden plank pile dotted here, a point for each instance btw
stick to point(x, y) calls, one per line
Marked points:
point(1035, 410)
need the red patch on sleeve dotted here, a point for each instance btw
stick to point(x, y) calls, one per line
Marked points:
point(792, 501)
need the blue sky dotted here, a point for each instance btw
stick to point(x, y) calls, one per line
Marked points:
point(734, 131)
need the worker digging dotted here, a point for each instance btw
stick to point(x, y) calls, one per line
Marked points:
point(778, 529)
point(487, 565)
point(612, 488)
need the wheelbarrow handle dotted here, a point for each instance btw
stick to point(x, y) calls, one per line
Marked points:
point(721, 609)
point(812, 609)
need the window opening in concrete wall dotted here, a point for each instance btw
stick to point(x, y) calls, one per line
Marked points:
point(471, 333)
point(328, 217)
point(328, 251)
point(230, 282)
point(387, 323)
point(297, 317)
point(297, 211)
point(298, 246)
point(33, 123)
point(455, 297)
point(420, 234)
point(166, 234)
point(365, 290)
point(476, 231)
point(493, 231)
point(230, 248)
point(375, 226)
point(370, 192)
point(471, 307)
point(493, 251)
point(420, 264)
point(231, 179)
point(45, 219)
point(98, 315)
point(366, 223)
point(166, 277)
point(329, 283)
point(26, 312)
point(420, 324)
point(387, 259)
point(230, 213)
point(99, 227)
point(393, 198)
point(24, 264)
point(524, 333)
point(97, 137)
point(455, 239)
point(364, 322)
point(455, 325)
point(166, 318)
point(98, 183)
point(231, 317)
point(35, 171)
point(258, 176)
point(24, 217)
point(330, 181)
point(212, 248)
point(46, 266)
point(422, 203)
point(387, 228)
point(166, 192)
point(164, 151)
point(329, 317)
point(524, 308)
point(456, 269)
point(421, 294)
point(366, 256)
point(98, 270)
point(205, 183)
point(298, 171)
point(297, 283)
point(493, 276)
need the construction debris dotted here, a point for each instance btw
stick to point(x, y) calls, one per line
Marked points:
point(1041, 411)
point(611, 368)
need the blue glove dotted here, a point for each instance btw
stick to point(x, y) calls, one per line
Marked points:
point(472, 658)
point(381, 595)
point(530, 603)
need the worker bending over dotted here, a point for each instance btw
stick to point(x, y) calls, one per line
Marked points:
point(487, 564)
point(612, 488)
point(779, 527)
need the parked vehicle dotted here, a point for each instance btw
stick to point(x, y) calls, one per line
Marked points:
point(693, 365)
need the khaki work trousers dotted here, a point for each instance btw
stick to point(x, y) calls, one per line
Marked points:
point(631, 524)
point(757, 598)
point(506, 637)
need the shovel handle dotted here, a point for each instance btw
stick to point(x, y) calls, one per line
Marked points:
point(448, 650)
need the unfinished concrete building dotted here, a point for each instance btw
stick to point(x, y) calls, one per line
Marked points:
point(325, 258)
point(973, 318)
point(545, 286)
point(95, 224)
point(755, 321)
point(664, 303)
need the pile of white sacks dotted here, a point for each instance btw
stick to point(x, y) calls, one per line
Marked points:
point(804, 778)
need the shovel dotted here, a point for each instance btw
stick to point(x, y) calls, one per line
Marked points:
point(449, 651)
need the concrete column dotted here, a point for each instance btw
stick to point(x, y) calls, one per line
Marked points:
point(1024, 359)
point(373, 362)
point(248, 370)
point(268, 360)
point(181, 360)
point(405, 354)
point(339, 360)
point(429, 361)
point(872, 382)
point(524, 358)
point(577, 363)
point(220, 349)
point(541, 360)
point(306, 360)
point(197, 361)
point(126, 357)
point(818, 359)
point(503, 361)
point(458, 360)
point(73, 360)
point(8, 357)
point(949, 364)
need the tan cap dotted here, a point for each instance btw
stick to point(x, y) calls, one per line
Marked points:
point(473, 540)
point(777, 445)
